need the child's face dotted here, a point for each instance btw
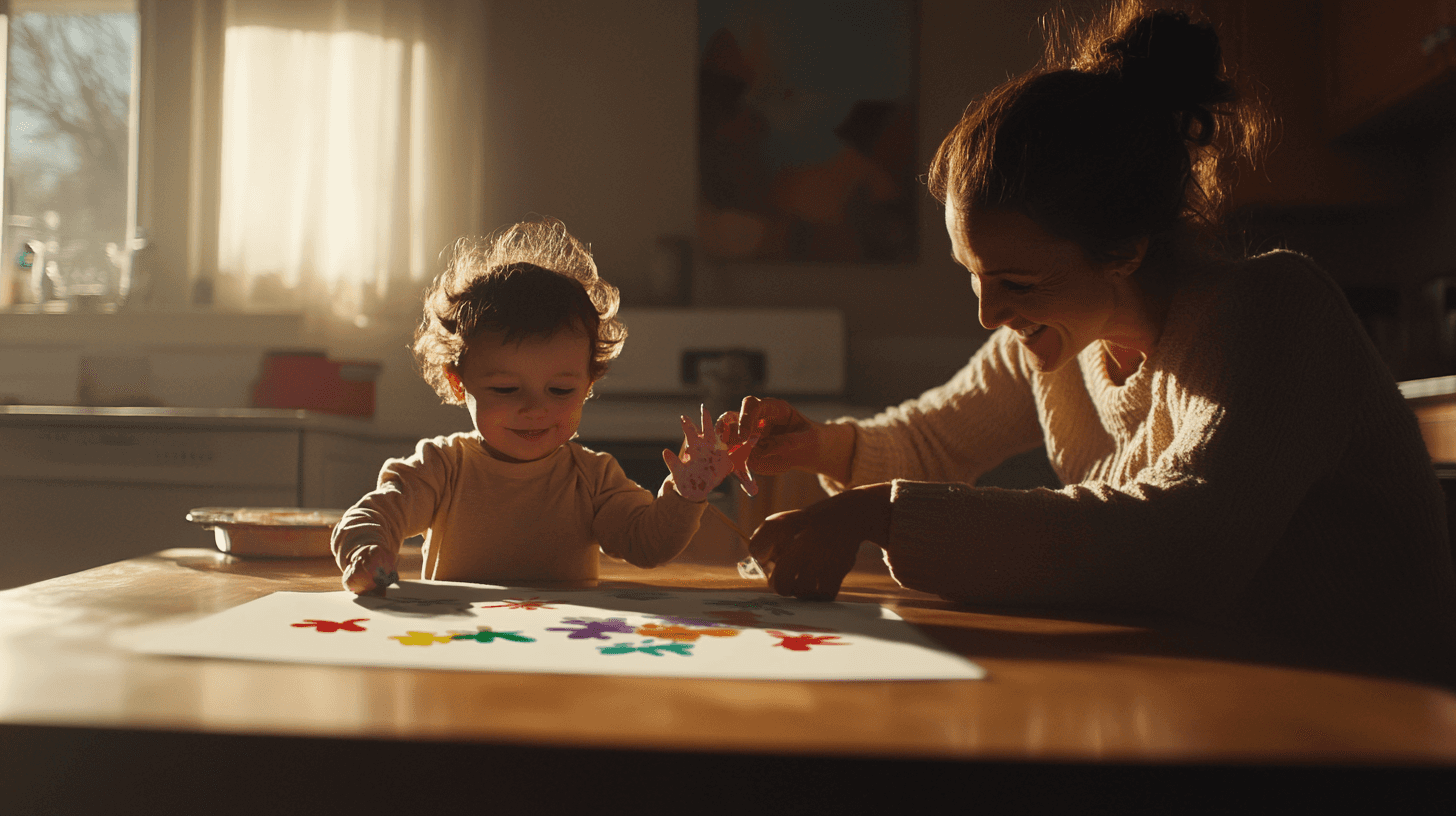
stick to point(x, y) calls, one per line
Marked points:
point(525, 397)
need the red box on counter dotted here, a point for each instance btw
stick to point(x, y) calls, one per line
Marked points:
point(313, 382)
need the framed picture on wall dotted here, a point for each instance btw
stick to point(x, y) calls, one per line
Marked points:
point(807, 130)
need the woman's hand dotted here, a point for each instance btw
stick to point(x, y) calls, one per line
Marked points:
point(808, 552)
point(788, 440)
point(371, 569)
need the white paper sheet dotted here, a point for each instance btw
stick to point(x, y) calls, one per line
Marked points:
point(645, 632)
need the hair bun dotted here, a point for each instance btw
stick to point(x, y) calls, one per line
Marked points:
point(1172, 59)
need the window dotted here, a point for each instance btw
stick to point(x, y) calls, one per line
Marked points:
point(339, 211)
point(243, 155)
point(69, 154)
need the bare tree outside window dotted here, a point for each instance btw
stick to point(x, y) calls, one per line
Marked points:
point(68, 96)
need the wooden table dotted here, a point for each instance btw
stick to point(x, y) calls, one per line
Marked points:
point(1075, 714)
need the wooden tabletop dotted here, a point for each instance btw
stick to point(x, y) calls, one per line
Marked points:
point(1068, 694)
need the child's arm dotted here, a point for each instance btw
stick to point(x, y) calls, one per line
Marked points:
point(632, 524)
point(366, 541)
point(645, 531)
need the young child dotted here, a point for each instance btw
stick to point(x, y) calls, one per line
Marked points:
point(517, 330)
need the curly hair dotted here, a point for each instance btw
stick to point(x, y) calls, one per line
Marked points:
point(532, 279)
point(1127, 129)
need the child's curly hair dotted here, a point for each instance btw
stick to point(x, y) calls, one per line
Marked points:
point(530, 280)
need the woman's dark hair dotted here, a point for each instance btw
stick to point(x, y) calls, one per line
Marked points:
point(1128, 129)
point(532, 280)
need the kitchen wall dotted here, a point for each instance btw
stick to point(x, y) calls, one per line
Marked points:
point(592, 119)
point(592, 116)
point(591, 111)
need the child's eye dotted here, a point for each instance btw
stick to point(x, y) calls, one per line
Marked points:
point(502, 389)
point(563, 392)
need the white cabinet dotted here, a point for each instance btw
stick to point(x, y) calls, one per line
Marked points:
point(80, 488)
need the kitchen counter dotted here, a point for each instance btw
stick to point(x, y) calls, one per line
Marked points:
point(656, 420)
point(603, 418)
point(192, 418)
point(1434, 403)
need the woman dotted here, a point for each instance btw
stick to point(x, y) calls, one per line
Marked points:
point(1233, 448)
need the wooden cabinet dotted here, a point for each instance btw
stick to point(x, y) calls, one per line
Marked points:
point(1331, 68)
point(1381, 55)
point(1280, 51)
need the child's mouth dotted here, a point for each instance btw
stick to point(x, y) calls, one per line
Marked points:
point(530, 436)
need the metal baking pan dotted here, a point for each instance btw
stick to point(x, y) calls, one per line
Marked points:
point(269, 532)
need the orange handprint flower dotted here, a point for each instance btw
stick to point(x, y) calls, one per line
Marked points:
point(677, 632)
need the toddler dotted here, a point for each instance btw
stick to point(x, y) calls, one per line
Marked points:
point(516, 329)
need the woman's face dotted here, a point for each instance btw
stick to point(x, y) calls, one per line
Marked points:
point(525, 397)
point(1041, 287)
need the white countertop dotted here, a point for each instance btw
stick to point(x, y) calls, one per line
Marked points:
point(1431, 387)
point(609, 419)
point(656, 420)
point(252, 418)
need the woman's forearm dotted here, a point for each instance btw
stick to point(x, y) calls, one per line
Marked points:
point(835, 455)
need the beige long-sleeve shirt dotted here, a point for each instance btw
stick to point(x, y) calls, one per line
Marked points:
point(489, 521)
point(1260, 469)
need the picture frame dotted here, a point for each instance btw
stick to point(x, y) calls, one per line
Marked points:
point(808, 131)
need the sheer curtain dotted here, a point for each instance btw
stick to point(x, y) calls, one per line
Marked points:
point(352, 149)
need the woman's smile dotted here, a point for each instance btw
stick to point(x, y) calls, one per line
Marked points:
point(1030, 281)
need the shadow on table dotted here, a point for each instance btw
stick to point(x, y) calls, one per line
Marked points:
point(1076, 636)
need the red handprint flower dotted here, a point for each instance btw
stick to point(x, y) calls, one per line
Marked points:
point(801, 643)
point(350, 625)
point(707, 460)
point(533, 602)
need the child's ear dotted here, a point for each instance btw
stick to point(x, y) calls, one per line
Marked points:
point(452, 376)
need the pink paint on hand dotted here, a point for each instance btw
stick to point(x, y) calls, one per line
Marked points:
point(706, 460)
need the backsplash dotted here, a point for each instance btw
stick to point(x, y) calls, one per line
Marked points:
point(195, 360)
point(799, 351)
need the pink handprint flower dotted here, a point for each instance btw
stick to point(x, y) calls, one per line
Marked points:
point(707, 460)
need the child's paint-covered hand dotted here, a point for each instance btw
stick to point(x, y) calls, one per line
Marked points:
point(371, 569)
point(707, 460)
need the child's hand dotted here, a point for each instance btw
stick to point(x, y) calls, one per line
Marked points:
point(706, 460)
point(371, 569)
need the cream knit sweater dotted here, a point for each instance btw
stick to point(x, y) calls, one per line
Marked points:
point(1259, 470)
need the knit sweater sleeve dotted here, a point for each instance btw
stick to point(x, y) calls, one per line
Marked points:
point(1251, 404)
point(632, 524)
point(402, 505)
point(957, 431)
